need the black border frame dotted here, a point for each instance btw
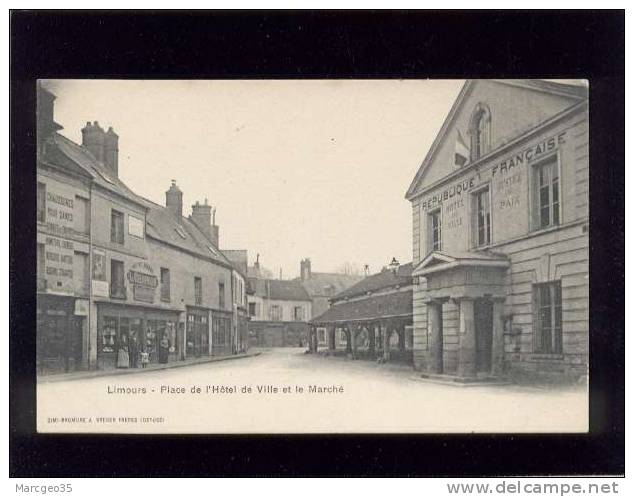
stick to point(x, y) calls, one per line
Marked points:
point(327, 44)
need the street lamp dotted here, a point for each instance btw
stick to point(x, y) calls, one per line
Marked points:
point(394, 265)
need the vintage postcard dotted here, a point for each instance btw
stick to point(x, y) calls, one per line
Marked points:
point(312, 256)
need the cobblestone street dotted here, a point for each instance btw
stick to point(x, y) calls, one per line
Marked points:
point(285, 390)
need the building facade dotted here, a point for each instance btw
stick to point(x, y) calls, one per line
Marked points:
point(500, 234)
point(63, 251)
point(239, 259)
point(369, 320)
point(123, 274)
point(279, 312)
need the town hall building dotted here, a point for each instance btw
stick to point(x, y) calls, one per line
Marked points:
point(500, 235)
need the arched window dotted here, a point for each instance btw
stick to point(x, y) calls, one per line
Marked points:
point(480, 131)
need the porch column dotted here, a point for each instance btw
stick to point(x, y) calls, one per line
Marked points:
point(434, 334)
point(497, 350)
point(467, 347)
point(386, 342)
point(331, 338)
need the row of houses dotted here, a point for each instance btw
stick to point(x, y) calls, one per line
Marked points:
point(117, 272)
point(280, 310)
point(498, 285)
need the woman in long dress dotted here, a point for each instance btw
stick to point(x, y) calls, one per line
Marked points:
point(164, 348)
point(123, 354)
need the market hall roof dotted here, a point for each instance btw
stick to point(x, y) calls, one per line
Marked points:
point(391, 305)
point(161, 224)
point(384, 279)
point(279, 289)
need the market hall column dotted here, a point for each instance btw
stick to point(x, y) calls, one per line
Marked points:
point(371, 339)
point(497, 350)
point(353, 339)
point(434, 315)
point(467, 341)
point(386, 341)
point(331, 338)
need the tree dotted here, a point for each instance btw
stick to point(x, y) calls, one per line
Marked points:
point(349, 269)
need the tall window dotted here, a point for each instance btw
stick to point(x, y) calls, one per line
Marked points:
point(117, 284)
point(116, 227)
point(547, 326)
point(41, 202)
point(276, 313)
point(480, 131)
point(482, 209)
point(252, 309)
point(40, 260)
point(435, 231)
point(221, 295)
point(546, 194)
point(82, 215)
point(198, 290)
point(298, 313)
point(81, 273)
point(165, 284)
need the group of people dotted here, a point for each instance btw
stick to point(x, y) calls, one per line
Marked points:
point(129, 355)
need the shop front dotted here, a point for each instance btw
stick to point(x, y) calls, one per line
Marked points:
point(197, 332)
point(134, 336)
point(222, 343)
point(60, 334)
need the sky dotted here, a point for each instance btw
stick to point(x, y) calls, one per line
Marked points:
point(295, 169)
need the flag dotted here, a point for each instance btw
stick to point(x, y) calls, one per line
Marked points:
point(462, 151)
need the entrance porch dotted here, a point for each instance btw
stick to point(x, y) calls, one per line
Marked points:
point(464, 302)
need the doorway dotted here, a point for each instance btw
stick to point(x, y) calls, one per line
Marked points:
point(483, 317)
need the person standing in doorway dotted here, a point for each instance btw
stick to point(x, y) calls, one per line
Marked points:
point(134, 351)
point(164, 349)
point(123, 354)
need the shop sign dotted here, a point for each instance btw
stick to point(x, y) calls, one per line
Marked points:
point(59, 264)
point(99, 265)
point(100, 288)
point(144, 282)
point(81, 307)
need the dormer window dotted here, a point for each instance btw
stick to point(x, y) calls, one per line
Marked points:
point(480, 131)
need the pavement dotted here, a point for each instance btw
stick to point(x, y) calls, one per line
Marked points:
point(288, 391)
point(82, 375)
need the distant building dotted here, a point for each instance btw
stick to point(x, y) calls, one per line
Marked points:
point(279, 311)
point(371, 319)
point(321, 287)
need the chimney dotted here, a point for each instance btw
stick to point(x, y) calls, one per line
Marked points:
point(256, 264)
point(215, 234)
point(93, 138)
point(111, 151)
point(46, 124)
point(304, 269)
point(174, 200)
point(201, 216)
